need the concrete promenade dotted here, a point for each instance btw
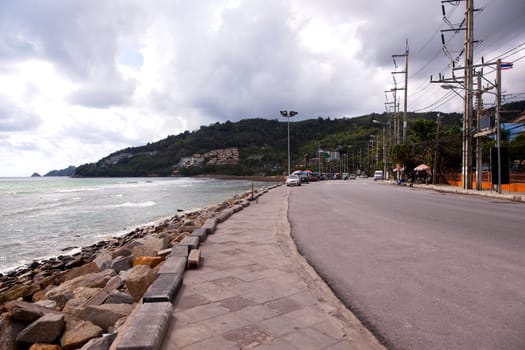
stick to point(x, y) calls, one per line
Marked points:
point(254, 291)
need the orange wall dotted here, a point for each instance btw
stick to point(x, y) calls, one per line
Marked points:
point(513, 187)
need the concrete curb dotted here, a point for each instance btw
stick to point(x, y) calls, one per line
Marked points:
point(148, 327)
point(200, 233)
point(164, 288)
point(444, 189)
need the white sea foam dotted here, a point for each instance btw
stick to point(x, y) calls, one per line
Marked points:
point(133, 205)
point(79, 189)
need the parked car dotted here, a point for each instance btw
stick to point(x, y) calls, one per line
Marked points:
point(351, 177)
point(346, 176)
point(314, 177)
point(304, 178)
point(293, 180)
point(378, 175)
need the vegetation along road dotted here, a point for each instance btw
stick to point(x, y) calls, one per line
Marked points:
point(421, 269)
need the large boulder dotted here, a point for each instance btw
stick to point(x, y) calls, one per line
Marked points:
point(27, 312)
point(62, 293)
point(150, 261)
point(81, 270)
point(18, 291)
point(114, 283)
point(138, 281)
point(41, 346)
point(103, 260)
point(81, 296)
point(122, 263)
point(8, 330)
point(106, 315)
point(44, 330)
point(48, 304)
point(79, 332)
point(117, 297)
point(151, 246)
point(102, 343)
point(123, 251)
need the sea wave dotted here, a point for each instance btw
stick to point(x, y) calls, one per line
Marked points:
point(78, 189)
point(132, 205)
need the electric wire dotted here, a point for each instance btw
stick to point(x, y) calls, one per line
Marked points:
point(445, 98)
point(509, 52)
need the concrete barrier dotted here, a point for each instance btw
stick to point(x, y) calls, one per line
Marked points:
point(191, 241)
point(201, 233)
point(224, 215)
point(164, 288)
point(173, 265)
point(210, 225)
point(148, 327)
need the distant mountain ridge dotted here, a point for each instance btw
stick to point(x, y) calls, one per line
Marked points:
point(69, 171)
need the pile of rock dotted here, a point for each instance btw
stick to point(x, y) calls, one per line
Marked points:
point(81, 301)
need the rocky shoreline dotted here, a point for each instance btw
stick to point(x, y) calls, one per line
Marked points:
point(80, 301)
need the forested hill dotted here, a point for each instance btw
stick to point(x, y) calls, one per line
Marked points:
point(251, 146)
point(261, 144)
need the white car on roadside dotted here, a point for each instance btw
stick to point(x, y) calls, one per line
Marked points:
point(293, 180)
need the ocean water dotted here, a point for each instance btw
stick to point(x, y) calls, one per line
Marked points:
point(49, 216)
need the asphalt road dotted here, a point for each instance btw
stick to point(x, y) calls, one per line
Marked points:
point(421, 269)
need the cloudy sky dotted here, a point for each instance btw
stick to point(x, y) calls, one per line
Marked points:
point(80, 79)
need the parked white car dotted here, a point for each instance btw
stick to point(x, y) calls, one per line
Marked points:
point(293, 180)
point(378, 175)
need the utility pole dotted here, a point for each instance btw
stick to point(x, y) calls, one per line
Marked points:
point(436, 151)
point(391, 117)
point(467, 111)
point(468, 26)
point(319, 155)
point(479, 109)
point(498, 119)
point(405, 102)
point(395, 116)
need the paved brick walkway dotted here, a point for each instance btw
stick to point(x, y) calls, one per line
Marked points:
point(253, 291)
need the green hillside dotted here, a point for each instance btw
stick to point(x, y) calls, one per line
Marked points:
point(259, 147)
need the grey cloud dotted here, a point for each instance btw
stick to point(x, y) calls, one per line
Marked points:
point(80, 38)
point(254, 66)
point(102, 96)
point(28, 145)
point(96, 135)
point(226, 73)
point(15, 118)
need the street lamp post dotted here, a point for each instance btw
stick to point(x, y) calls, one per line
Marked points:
point(288, 115)
point(348, 162)
point(384, 145)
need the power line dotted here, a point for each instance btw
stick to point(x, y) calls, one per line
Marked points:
point(521, 47)
point(420, 89)
point(441, 100)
